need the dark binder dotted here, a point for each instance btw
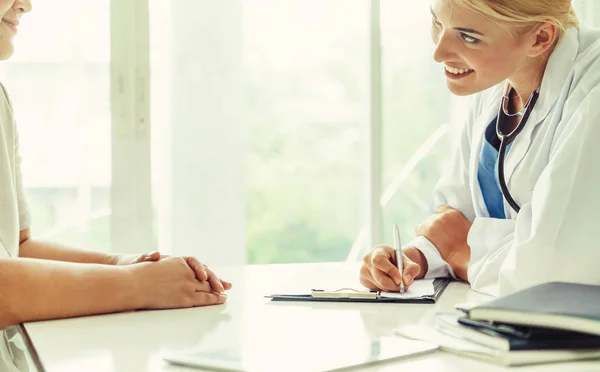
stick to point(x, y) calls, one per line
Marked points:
point(353, 295)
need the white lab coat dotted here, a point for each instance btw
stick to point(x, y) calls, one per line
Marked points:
point(553, 173)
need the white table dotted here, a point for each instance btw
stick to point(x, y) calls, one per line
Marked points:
point(130, 342)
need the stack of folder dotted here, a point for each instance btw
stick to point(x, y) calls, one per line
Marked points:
point(552, 322)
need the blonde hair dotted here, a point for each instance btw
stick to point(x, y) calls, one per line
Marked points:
point(526, 13)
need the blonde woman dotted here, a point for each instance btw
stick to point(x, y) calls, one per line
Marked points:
point(518, 203)
point(40, 280)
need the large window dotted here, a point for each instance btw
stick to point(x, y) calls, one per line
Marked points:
point(282, 148)
point(58, 81)
point(306, 66)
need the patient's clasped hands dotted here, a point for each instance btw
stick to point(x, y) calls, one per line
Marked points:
point(164, 282)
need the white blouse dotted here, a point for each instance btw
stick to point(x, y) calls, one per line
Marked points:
point(14, 217)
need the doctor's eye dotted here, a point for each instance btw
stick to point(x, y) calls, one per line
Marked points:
point(469, 39)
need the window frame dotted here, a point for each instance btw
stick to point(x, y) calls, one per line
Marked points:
point(131, 193)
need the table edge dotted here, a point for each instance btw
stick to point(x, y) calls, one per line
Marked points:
point(31, 348)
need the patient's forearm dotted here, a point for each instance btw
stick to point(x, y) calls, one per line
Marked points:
point(32, 248)
point(33, 289)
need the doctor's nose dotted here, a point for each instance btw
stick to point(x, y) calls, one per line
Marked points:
point(442, 50)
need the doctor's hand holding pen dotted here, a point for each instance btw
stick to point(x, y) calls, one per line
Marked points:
point(379, 270)
point(447, 229)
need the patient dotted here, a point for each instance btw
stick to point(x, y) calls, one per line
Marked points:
point(41, 280)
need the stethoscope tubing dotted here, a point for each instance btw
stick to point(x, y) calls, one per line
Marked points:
point(505, 140)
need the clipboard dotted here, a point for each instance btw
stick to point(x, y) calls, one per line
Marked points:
point(353, 295)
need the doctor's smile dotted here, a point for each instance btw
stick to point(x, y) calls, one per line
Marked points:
point(457, 73)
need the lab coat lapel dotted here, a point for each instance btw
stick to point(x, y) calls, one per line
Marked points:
point(558, 69)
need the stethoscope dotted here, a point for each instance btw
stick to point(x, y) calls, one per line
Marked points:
point(506, 139)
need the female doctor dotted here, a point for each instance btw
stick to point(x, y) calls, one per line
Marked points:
point(518, 203)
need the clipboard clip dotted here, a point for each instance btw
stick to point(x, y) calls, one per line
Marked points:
point(349, 293)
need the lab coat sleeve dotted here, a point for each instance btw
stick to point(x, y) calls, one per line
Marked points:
point(452, 190)
point(555, 236)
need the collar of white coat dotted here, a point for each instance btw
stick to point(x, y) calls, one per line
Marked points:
point(558, 69)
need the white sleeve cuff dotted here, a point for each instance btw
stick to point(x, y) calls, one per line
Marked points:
point(437, 267)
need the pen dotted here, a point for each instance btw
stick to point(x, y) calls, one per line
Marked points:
point(398, 249)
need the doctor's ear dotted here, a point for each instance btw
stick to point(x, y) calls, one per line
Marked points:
point(541, 38)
